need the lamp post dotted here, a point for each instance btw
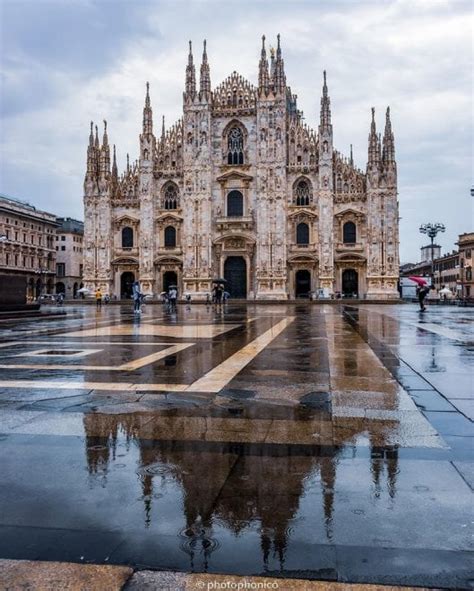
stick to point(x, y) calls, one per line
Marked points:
point(432, 230)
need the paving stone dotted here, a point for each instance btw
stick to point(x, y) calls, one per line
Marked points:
point(54, 576)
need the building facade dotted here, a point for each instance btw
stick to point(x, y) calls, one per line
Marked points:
point(27, 245)
point(466, 252)
point(241, 188)
point(69, 253)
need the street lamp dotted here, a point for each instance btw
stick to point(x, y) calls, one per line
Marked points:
point(432, 230)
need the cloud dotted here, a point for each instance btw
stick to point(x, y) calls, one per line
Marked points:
point(74, 61)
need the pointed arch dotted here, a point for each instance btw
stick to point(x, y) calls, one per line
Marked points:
point(234, 143)
point(302, 192)
point(170, 196)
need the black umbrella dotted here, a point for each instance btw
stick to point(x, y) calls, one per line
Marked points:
point(219, 280)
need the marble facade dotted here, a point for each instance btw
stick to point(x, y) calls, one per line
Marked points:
point(241, 188)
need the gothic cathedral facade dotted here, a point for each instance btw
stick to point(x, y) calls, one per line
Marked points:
point(240, 188)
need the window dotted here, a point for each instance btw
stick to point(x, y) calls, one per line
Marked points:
point(235, 146)
point(302, 233)
point(170, 197)
point(349, 233)
point(235, 204)
point(127, 237)
point(170, 236)
point(60, 269)
point(302, 195)
point(63, 248)
point(63, 238)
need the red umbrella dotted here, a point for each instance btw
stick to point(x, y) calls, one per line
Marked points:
point(419, 280)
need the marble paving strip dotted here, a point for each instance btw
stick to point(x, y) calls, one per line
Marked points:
point(130, 366)
point(196, 331)
point(217, 378)
point(48, 342)
point(71, 385)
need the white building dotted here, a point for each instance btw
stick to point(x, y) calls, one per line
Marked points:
point(241, 187)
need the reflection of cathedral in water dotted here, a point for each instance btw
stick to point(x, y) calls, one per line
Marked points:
point(238, 486)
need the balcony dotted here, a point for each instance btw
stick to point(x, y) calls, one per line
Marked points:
point(350, 247)
point(243, 222)
point(127, 251)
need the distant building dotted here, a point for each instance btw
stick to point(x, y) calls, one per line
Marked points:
point(69, 245)
point(447, 272)
point(452, 270)
point(427, 253)
point(27, 245)
point(466, 250)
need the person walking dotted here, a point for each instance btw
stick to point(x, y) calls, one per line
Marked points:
point(172, 297)
point(137, 297)
point(98, 298)
point(422, 293)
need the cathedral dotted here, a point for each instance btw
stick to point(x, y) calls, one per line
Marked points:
point(240, 188)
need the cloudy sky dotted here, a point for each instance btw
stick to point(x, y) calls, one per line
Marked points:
point(66, 62)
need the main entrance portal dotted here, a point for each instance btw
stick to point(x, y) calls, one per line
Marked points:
point(350, 283)
point(235, 273)
point(169, 278)
point(126, 282)
point(302, 283)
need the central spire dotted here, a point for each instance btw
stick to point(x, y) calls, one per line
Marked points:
point(325, 120)
point(147, 113)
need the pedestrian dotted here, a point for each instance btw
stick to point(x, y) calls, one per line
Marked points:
point(172, 297)
point(219, 293)
point(422, 293)
point(137, 297)
point(98, 298)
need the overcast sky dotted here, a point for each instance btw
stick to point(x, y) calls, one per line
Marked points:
point(66, 62)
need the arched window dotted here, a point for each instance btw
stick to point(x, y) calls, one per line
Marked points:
point(302, 194)
point(349, 233)
point(235, 146)
point(170, 236)
point(170, 197)
point(302, 233)
point(235, 204)
point(127, 237)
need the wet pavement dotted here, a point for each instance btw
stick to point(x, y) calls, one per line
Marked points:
point(322, 442)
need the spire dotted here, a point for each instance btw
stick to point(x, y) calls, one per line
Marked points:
point(105, 139)
point(91, 135)
point(114, 166)
point(279, 78)
point(263, 76)
point(351, 158)
point(147, 113)
point(91, 156)
point(128, 163)
point(205, 80)
point(163, 132)
point(388, 152)
point(104, 160)
point(373, 140)
point(190, 74)
point(96, 144)
point(325, 120)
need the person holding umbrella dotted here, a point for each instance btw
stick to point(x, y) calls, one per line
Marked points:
point(422, 291)
point(218, 290)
